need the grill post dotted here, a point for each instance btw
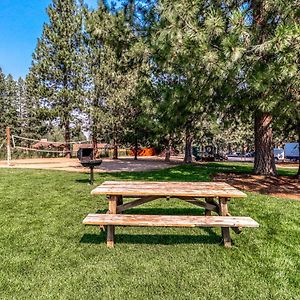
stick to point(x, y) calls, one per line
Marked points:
point(91, 175)
point(85, 155)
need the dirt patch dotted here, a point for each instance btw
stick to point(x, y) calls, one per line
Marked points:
point(281, 186)
point(288, 165)
point(108, 165)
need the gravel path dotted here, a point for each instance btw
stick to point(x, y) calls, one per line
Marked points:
point(123, 164)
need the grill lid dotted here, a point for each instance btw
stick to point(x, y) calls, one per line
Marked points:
point(85, 154)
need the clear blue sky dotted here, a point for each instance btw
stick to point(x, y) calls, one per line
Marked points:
point(21, 23)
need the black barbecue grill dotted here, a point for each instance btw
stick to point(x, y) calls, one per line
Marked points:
point(85, 155)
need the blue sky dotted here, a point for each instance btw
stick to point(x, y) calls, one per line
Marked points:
point(21, 23)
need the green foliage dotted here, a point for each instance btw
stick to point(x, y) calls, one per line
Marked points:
point(56, 78)
point(272, 55)
point(162, 71)
point(117, 63)
point(9, 105)
point(17, 111)
point(194, 60)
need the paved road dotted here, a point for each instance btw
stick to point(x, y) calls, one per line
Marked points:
point(240, 159)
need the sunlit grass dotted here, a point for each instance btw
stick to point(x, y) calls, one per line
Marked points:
point(46, 253)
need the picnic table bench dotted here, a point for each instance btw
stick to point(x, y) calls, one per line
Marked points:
point(216, 196)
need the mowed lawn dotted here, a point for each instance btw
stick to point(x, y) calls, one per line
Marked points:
point(46, 253)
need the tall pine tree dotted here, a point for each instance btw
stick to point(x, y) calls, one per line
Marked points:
point(116, 62)
point(56, 72)
point(9, 109)
point(193, 59)
point(271, 69)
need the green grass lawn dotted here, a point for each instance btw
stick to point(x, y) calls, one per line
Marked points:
point(46, 253)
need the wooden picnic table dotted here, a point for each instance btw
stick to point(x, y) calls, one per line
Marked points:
point(215, 195)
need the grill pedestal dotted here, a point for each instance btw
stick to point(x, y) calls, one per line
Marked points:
point(91, 164)
point(85, 155)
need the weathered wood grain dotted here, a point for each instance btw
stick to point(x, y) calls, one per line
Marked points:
point(237, 230)
point(113, 200)
point(196, 202)
point(169, 221)
point(134, 203)
point(168, 189)
point(225, 230)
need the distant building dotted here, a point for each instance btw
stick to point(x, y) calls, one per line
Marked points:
point(43, 144)
point(76, 147)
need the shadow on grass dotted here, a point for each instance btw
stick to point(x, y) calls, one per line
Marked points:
point(161, 211)
point(152, 239)
point(86, 180)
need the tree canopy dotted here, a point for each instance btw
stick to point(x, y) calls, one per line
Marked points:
point(165, 73)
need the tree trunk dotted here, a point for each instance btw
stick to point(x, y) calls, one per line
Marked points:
point(168, 151)
point(115, 153)
point(298, 129)
point(94, 144)
point(229, 148)
point(67, 139)
point(264, 163)
point(136, 149)
point(188, 148)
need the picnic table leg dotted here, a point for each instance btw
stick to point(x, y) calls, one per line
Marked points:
point(111, 229)
point(207, 211)
point(225, 230)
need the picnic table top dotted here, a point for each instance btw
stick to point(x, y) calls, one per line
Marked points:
point(165, 189)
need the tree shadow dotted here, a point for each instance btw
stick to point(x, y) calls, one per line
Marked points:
point(160, 211)
point(188, 211)
point(151, 239)
point(163, 239)
point(86, 180)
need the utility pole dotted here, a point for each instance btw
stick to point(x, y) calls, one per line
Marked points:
point(8, 146)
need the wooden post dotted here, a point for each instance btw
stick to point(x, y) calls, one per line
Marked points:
point(225, 230)
point(8, 146)
point(111, 229)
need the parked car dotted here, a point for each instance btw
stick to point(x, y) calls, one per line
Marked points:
point(234, 154)
point(278, 154)
point(221, 157)
point(250, 154)
point(291, 151)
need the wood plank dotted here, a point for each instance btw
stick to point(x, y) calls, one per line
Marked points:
point(169, 221)
point(168, 189)
point(237, 230)
point(131, 204)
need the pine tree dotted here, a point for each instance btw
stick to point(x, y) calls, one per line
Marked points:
point(193, 59)
point(270, 65)
point(31, 115)
point(21, 105)
point(9, 110)
point(56, 72)
point(116, 58)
